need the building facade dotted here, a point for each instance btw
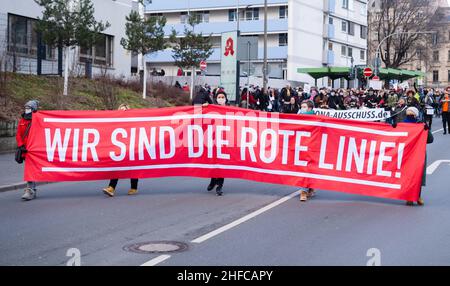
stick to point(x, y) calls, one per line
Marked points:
point(19, 40)
point(438, 65)
point(300, 34)
point(433, 57)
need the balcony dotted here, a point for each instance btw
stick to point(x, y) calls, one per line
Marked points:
point(248, 27)
point(328, 31)
point(328, 58)
point(272, 54)
point(329, 6)
point(179, 5)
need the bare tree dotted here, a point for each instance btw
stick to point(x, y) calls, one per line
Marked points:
point(395, 16)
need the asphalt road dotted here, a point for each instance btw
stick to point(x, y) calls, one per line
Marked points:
point(332, 229)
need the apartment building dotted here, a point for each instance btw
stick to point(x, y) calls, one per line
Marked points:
point(19, 42)
point(300, 33)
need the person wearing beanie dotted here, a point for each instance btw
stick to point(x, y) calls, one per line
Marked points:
point(23, 129)
point(412, 114)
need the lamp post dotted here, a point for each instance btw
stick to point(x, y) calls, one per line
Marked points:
point(377, 53)
point(265, 48)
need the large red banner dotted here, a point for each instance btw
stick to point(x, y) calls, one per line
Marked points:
point(371, 159)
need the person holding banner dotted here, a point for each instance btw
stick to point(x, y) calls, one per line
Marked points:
point(23, 129)
point(110, 190)
point(222, 100)
point(412, 115)
point(307, 107)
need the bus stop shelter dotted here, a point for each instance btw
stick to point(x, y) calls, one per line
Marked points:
point(334, 73)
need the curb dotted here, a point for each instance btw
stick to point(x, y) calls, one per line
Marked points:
point(17, 186)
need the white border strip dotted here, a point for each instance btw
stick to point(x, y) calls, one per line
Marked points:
point(227, 117)
point(223, 167)
point(244, 218)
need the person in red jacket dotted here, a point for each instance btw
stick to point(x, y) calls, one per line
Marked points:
point(23, 130)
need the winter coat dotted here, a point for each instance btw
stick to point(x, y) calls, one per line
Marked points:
point(21, 136)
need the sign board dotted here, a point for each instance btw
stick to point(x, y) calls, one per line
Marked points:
point(404, 85)
point(376, 78)
point(307, 88)
point(203, 65)
point(376, 84)
point(229, 72)
point(368, 72)
point(420, 81)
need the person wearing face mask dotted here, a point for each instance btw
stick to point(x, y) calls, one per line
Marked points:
point(306, 108)
point(110, 190)
point(371, 99)
point(23, 129)
point(221, 100)
point(412, 115)
point(336, 101)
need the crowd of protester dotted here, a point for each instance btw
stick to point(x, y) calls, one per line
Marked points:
point(429, 102)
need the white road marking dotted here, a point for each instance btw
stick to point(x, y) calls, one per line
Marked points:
point(156, 260)
point(439, 130)
point(244, 218)
point(433, 167)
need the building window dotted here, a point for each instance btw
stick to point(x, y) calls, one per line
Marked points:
point(363, 10)
point(330, 21)
point(282, 39)
point(101, 53)
point(23, 38)
point(344, 27)
point(435, 39)
point(345, 4)
point(232, 15)
point(435, 76)
point(183, 17)
point(201, 16)
point(448, 76)
point(283, 12)
point(449, 55)
point(362, 55)
point(251, 14)
point(350, 52)
point(351, 28)
point(363, 33)
point(330, 46)
point(436, 56)
point(155, 15)
point(343, 50)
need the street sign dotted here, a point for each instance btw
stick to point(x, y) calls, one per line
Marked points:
point(203, 65)
point(368, 72)
point(376, 78)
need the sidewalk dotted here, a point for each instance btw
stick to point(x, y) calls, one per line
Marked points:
point(11, 173)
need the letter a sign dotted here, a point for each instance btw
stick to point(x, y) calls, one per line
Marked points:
point(229, 73)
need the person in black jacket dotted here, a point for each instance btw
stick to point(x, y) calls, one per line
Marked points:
point(292, 107)
point(221, 99)
point(202, 97)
